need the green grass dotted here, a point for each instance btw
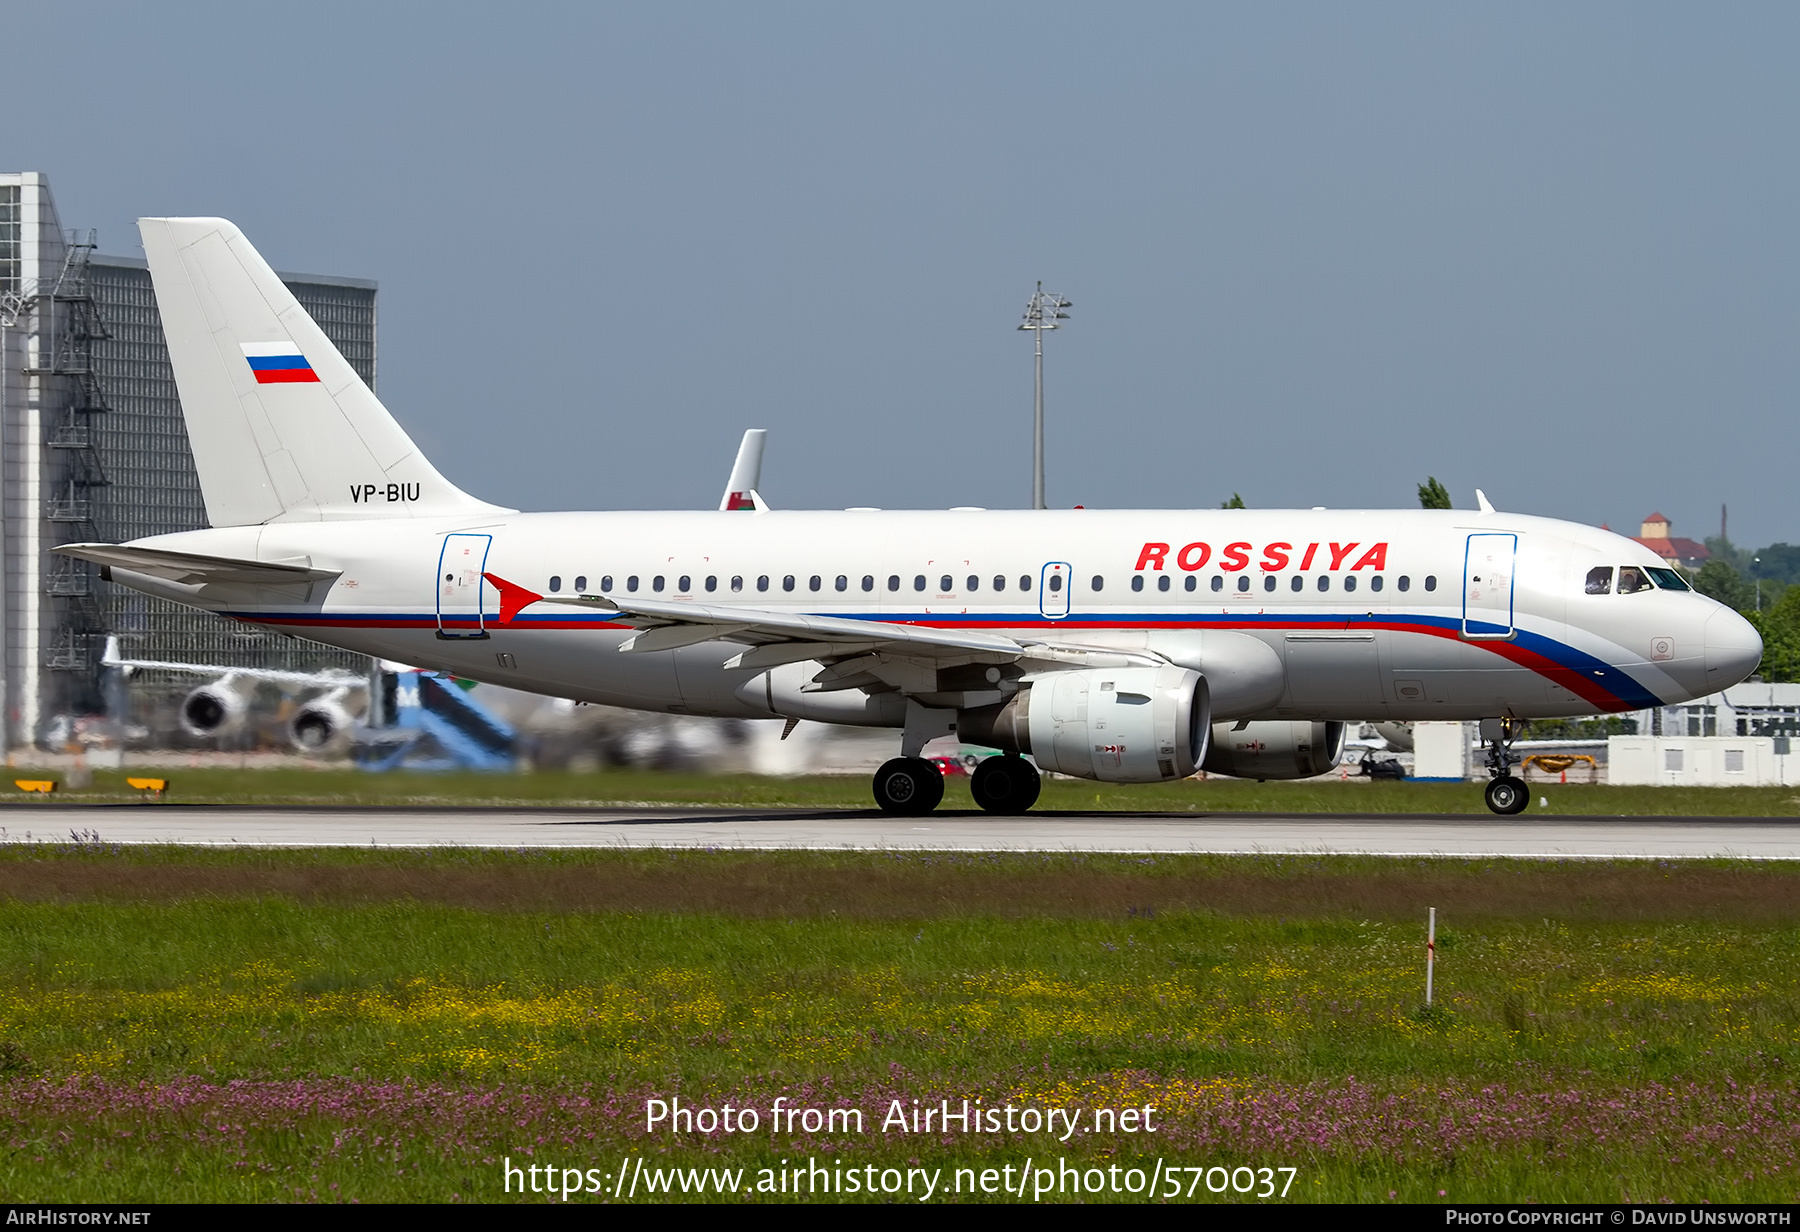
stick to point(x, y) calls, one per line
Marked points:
point(1650, 1004)
point(636, 788)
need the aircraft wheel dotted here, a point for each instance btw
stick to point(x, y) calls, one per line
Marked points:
point(909, 786)
point(1006, 784)
point(1507, 796)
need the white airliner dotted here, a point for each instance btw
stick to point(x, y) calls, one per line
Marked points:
point(1125, 646)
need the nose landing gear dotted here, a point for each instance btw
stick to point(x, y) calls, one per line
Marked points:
point(1506, 793)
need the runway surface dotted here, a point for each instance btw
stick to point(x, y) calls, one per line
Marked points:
point(768, 829)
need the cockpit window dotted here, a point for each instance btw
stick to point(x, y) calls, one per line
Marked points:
point(1669, 579)
point(1599, 580)
point(1632, 580)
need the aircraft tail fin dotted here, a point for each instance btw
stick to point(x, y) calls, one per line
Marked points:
point(282, 428)
point(746, 473)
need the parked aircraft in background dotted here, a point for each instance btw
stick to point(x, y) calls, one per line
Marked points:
point(221, 706)
point(1124, 646)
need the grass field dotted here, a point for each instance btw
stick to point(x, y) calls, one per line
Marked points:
point(195, 1024)
point(349, 787)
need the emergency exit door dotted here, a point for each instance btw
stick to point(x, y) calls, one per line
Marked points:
point(1053, 590)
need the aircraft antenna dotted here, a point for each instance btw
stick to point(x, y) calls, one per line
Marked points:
point(1042, 312)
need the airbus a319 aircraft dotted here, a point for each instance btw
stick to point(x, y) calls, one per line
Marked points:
point(1124, 646)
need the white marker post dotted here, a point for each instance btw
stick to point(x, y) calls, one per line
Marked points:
point(1430, 952)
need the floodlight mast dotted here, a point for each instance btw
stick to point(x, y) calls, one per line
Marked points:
point(1041, 313)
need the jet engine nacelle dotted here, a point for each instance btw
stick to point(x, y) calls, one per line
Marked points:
point(319, 725)
point(1275, 750)
point(214, 710)
point(1115, 724)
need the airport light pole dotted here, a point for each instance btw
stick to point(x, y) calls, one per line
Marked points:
point(1041, 313)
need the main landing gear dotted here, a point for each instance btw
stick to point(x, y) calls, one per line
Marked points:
point(909, 786)
point(913, 786)
point(1007, 784)
point(1506, 793)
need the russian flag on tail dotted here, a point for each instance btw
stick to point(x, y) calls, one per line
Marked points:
point(278, 363)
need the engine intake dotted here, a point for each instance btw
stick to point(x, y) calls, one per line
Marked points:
point(319, 725)
point(1277, 749)
point(1118, 725)
point(212, 710)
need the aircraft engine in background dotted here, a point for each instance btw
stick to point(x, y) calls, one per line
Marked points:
point(214, 710)
point(1114, 724)
point(1275, 749)
point(322, 725)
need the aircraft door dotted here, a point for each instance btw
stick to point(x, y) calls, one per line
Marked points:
point(461, 591)
point(1053, 590)
point(1488, 586)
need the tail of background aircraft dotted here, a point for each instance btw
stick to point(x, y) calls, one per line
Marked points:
point(282, 428)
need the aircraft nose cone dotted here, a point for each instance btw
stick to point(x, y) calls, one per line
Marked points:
point(1733, 649)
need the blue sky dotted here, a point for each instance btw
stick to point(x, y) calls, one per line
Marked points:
point(1317, 252)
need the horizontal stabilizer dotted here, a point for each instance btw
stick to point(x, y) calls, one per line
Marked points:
point(193, 569)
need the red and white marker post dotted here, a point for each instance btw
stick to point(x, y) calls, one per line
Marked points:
point(1430, 952)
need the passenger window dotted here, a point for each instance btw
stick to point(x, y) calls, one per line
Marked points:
point(606, 582)
point(814, 582)
point(974, 583)
point(868, 581)
point(1430, 581)
point(842, 583)
point(581, 584)
point(712, 583)
point(999, 581)
point(1162, 583)
point(1632, 580)
point(1375, 582)
point(737, 583)
point(1324, 582)
point(1599, 580)
point(1350, 582)
point(1137, 582)
point(944, 584)
point(1055, 582)
point(656, 583)
point(1099, 582)
point(919, 582)
point(787, 583)
point(1297, 583)
point(1269, 581)
point(1218, 583)
point(1243, 582)
point(631, 583)
point(893, 581)
point(1405, 583)
point(1025, 583)
point(555, 584)
point(682, 583)
point(1191, 582)
point(762, 582)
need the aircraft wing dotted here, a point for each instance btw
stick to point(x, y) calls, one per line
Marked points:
point(788, 637)
point(329, 678)
point(193, 569)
